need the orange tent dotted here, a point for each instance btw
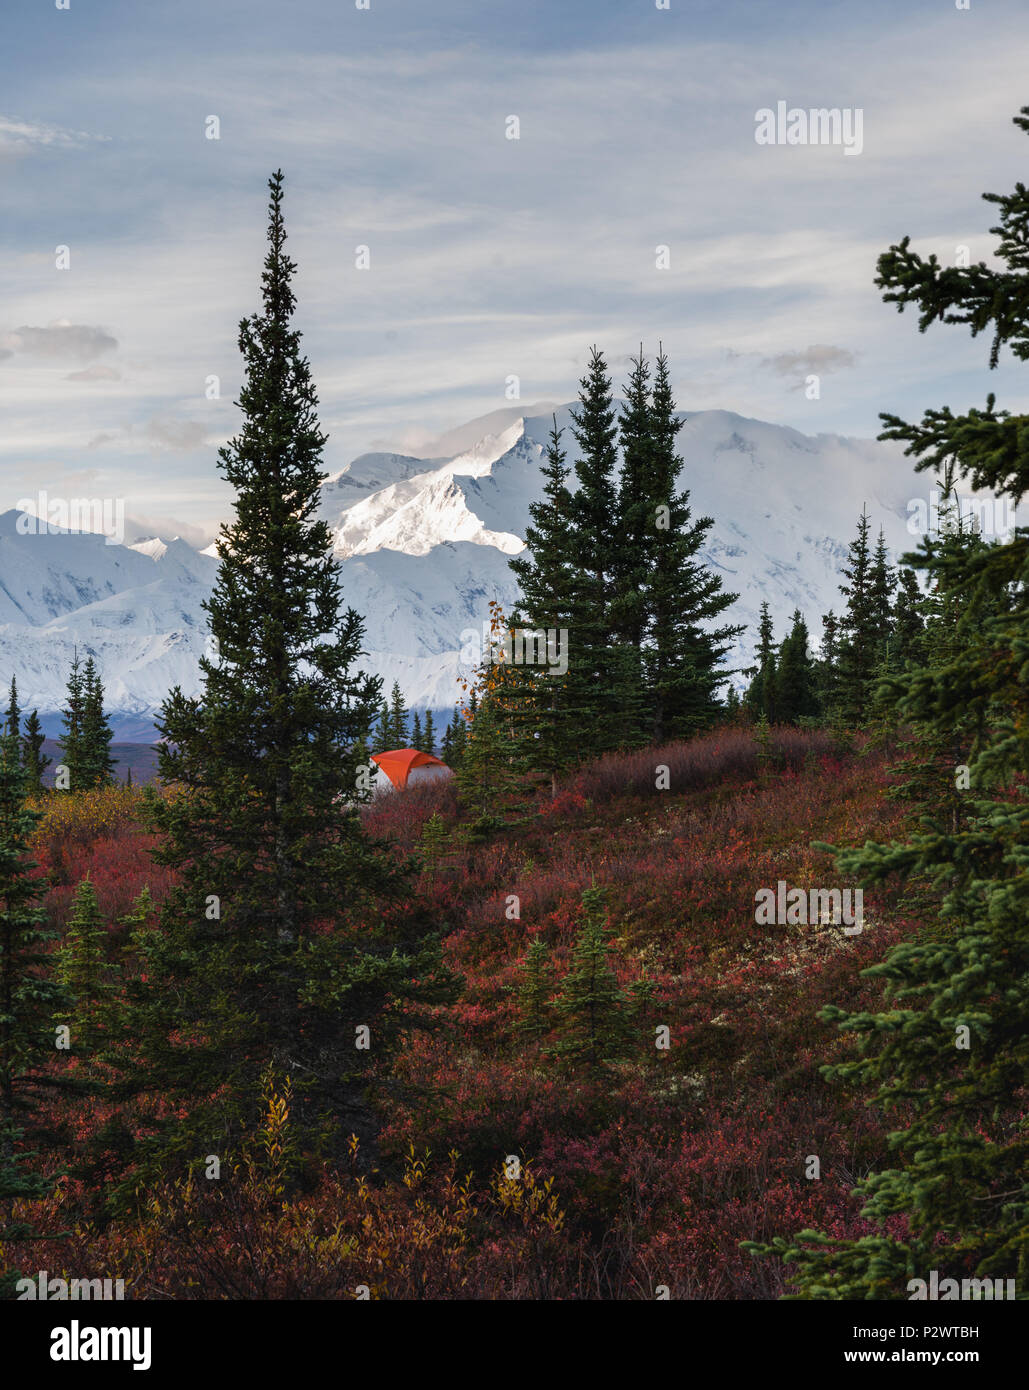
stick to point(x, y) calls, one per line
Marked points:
point(398, 763)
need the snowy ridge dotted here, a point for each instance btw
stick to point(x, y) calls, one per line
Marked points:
point(423, 545)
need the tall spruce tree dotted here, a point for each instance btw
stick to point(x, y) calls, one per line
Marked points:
point(30, 1000)
point(760, 698)
point(949, 1050)
point(275, 948)
point(71, 741)
point(594, 669)
point(549, 725)
point(380, 738)
point(631, 616)
point(827, 670)
point(908, 616)
point(32, 753)
point(96, 766)
point(860, 643)
point(398, 717)
point(883, 581)
point(685, 650)
point(796, 694)
point(12, 720)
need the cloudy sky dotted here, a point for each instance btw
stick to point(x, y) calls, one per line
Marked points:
point(490, 257)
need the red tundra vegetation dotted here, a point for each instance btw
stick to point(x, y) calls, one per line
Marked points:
point(505, 1169)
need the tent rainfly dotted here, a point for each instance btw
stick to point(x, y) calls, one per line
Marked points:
point(407, 765)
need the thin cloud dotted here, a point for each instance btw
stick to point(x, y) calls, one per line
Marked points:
point(60, 341)
point(95, 374)
point(169, 433)
point(819, 358)
point(22, 137)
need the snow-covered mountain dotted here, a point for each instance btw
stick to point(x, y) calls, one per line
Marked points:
point(423, 546)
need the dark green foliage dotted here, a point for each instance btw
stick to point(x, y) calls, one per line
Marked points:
point(86, 744)
point(95, 762)
point(454, 741)
point(547, 726)
point(614, 561)
point(381, 738)
point(289, 929)
point(32, 754)
point(593, 1010)
point(72, 753)
point(82, 968)
point(883, 580)
point(534, 991)
point(591, 684)
point(827, 671)
point(948, 1053)
point(795, 684)
point(908, 617)
point(760, 698)
point(684, 652)
point(861, 639)
point(396, 727)
point(435, 839)
point(30, 999)
point(487, 771)
point(12, 720)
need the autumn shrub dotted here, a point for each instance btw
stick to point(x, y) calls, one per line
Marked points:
point(725, 754)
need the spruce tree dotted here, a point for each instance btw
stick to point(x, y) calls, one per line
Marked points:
point(429, 735)
point(593, 1010)
point(82, 968)
point(860, 643)
point(534, 990)
point(434, 841)
point(416, 732)
point(446, 744)
point(12, 721)
point(949, 1051)
point(827, 670)
point(487, 773)
point(549, 725)
point(275, 948)
point(72, 751)
point(795, 689)
point(684, 650)
point(455, 740)
point(94, 741)
point(883, 581)
point(32, 754)
point(381, 738)
point(760, 698)
point(593, 546)
point(908, 617)
point(30, 1001)
point(631, 615)
point(398, 716)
